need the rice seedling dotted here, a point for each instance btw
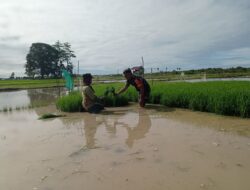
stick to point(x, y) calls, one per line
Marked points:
point(70, 103)
point(222, 97)
point(49, 115)
point(226, 98)
point(73, 101)
point(111, 100)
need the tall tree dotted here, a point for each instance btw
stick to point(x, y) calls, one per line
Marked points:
point(42, 60)
point(65, 54)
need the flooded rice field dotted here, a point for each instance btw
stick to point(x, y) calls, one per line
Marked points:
point(124, 148)
point(18, 99)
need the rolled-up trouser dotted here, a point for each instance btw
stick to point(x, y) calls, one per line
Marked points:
point(145, 99)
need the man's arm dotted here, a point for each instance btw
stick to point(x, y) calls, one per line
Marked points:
point(123, 89)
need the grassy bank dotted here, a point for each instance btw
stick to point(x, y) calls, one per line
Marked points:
point(25, 84)
point(166, 76)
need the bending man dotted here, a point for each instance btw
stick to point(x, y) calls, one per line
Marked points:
point(140, 84)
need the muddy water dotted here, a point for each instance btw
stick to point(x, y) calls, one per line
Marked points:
point(124, 148)
point(32, 97)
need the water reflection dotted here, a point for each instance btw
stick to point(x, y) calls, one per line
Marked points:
point(141, 129)
point(90, 127)
point(134, 133)
point(44, 96)
point(29, 97)
point(112, 122)
point(14, 99)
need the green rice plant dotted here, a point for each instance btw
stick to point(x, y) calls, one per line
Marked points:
point(130, 95)
point(114, 101)
point(156, 97)
point(243, 103)
point(111, 100)
point(70, 103)
point(73, 101)
point(226, 98)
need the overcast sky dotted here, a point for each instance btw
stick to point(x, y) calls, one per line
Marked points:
point(111, 35)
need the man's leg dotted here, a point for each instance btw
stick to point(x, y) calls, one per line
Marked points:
point(96, 108)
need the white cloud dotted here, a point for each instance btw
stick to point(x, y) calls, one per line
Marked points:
point(113, 34)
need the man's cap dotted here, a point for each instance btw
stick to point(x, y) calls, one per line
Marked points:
point(128, 70)
point(87, 76)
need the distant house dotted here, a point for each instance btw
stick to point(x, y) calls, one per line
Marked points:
point(138, 70)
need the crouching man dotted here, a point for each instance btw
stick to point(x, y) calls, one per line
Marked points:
point(90, 101)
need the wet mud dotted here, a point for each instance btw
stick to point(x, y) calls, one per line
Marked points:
point(124, 148)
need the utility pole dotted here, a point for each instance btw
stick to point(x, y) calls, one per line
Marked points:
point(142, 61)
point(151, 76)
point(142, 66)
point(78, 76)
point(78, 68)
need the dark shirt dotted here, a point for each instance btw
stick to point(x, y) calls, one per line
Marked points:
point(138, 82)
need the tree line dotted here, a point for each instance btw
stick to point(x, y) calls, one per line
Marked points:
point(44, 60)
point(219, 70)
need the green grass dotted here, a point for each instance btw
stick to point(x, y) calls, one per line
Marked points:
point(24, 84)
